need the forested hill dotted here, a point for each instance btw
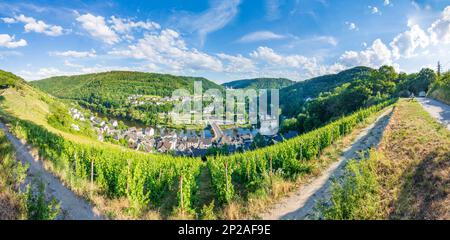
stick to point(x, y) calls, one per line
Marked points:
point(259, 83)
point(293, 97)
point(109, 92)
point(118, 84)
point(8, 79)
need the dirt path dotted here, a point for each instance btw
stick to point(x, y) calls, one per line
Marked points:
point(301, 203)
point(437, 110)
point(73, 207)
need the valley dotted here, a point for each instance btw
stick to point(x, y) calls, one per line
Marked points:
point(125, 168)
point(232, 119)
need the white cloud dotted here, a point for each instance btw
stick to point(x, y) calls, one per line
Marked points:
point(42, 73)
point(74, 69)
point(386, 3)
point(216, 17)
point(374, 10)
point(303, 67)
point(374, 56)
point(237, 64)
point(266, 54)
point(74, 54)
point(167, 48)
point(405, 44)
point(7, 54)
point(97, 28)
point(9, 41)
point(260, 36)
point(270, 56)
point(312, 42)
point(38, 26)
point(408, 43)
point(351, 26)
point(325, 39)
point(8, 20)
point(440, 29)
point(68, 63)
point(121, 25)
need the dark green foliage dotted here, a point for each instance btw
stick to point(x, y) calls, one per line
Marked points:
point(38, 206)
point(377, 87)
point(259, 83)
point(214, 150)
point(292, 98)
point(416, 82)
point(357, 195)
point(440, 89)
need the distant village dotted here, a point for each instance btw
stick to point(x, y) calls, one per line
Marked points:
point(152, 140)
point(138, 99)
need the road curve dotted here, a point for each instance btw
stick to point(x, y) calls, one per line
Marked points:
point(438, 110)
point(73, 207)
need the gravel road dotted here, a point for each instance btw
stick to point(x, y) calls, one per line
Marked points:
point(437, 110)
point(300, 204)
point(73, 207)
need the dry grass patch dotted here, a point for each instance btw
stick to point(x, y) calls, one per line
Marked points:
point(418, 172)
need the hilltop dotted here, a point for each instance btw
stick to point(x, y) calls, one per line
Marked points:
point(118, 84)
point(259, 83)
point(8, 79)
point(109, 92)
point(293, 97)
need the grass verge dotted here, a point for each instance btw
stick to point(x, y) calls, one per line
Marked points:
point(407, 177)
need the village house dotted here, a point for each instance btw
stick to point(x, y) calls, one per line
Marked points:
point(205, 143)
point(149, 131)
point(247, 138)
point(182, 146)
point(192, 142)
point(164, 146)
point(147, 145)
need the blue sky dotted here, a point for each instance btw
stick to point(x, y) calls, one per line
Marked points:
point(222, 40)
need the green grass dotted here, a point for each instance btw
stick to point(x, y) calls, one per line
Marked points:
point(11, 176)
point(406, 178)
point(358, 196)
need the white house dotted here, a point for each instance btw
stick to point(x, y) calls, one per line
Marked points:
point(149, 132)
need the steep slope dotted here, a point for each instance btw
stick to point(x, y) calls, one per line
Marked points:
point(70, 157)
point(8, 79)
point(30, 104)
point(259, 83)
point(293, 97)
